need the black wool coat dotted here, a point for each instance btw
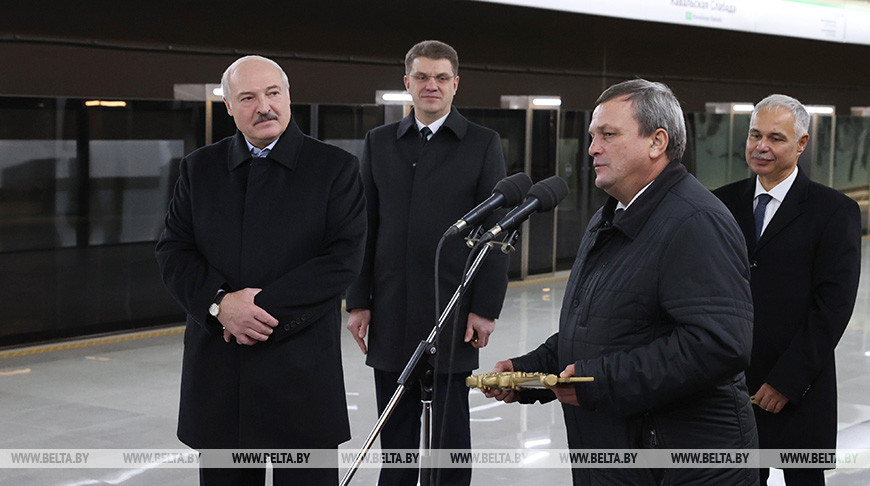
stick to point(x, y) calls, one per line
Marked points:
point(413, 195)
point(294, 225)
point(805, 273)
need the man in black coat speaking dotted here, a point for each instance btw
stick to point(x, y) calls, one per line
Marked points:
point(804, 245)
point(265, 231)
point(420, 175)
point(657, 309)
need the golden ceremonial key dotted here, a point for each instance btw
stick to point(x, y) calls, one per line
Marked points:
point(520, 380)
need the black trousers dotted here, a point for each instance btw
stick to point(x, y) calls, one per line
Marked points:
point(280, 476)
point(402, 429)
point(797, 477)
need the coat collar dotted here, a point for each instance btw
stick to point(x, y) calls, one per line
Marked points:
point(455, 122)
point(791, 207)
point(642, 208)
point(284, 152)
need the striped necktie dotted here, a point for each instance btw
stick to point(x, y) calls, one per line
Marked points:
point(425, 132)
point(259, 153)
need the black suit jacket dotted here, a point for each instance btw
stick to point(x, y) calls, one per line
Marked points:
point(292, 224)
point(412, 196)
point(805, 272)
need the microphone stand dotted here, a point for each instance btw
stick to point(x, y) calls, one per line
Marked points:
point(417, 369)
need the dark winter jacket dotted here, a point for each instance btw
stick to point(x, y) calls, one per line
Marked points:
point(658, 311)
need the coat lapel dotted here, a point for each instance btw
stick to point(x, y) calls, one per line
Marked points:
point(743, 213)
point(792, 206)
point(440, 149)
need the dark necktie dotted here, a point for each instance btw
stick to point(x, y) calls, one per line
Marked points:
point(424, 134)
point(763, 199)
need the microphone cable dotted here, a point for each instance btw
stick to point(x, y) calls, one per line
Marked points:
point(434, 473)
point(441, 241)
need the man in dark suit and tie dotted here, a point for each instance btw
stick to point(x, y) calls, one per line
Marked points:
point(420, 175)
point(804, 246)
point(265, 231)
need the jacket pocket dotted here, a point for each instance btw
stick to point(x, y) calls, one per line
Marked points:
point(651, 439)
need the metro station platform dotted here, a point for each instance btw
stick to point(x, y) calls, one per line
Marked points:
point(121, 392)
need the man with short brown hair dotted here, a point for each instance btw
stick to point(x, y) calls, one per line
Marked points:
point(421, 174)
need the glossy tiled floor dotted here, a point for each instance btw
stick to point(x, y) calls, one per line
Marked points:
point(119, 394)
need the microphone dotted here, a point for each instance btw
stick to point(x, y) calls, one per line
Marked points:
point(542, 197)
point(509, 191)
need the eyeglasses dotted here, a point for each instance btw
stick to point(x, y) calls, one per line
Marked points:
point(424, 78)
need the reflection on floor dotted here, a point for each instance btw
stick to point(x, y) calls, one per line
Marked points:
point(120, 394)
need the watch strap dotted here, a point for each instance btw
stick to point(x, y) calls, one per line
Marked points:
point(215, 308)
point(221, 293)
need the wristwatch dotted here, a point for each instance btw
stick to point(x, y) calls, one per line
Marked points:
point(215, 308)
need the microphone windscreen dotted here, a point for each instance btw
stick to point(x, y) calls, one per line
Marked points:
point(514, 188)
point(549, 192)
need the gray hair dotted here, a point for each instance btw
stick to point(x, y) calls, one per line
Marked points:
point(225, 79)
point(432, 49)
point(655, 106)
point(801, 117)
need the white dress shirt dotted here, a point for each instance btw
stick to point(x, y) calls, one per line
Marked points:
point(434, 126)
point(777, 193)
